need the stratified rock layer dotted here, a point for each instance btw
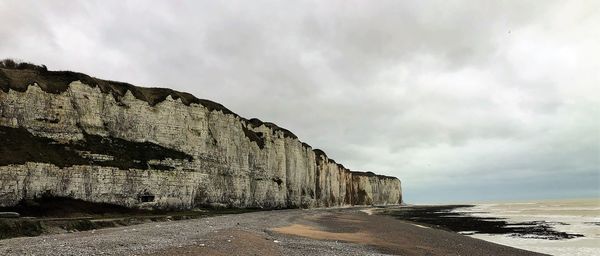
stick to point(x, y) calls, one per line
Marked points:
point(70, 135)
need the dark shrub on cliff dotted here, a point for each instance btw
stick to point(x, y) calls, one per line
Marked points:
point(12, 64)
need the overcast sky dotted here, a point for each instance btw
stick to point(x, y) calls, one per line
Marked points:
point(462, 100)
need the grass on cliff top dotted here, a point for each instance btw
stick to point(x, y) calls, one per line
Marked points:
point(17, 75)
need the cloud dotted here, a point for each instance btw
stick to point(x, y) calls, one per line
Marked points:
point(448, 96)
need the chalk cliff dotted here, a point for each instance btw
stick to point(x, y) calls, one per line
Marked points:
point(68, 134)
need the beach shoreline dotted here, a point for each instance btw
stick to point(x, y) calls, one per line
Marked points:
point(341, 231)
point(580, 218)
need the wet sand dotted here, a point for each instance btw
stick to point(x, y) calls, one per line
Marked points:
point(391, 236)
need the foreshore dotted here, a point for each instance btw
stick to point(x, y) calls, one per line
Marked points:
point(341, 231)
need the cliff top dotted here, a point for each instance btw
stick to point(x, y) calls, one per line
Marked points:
point(18, 76)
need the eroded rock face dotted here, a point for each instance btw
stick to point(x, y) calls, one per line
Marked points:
point(112, 142)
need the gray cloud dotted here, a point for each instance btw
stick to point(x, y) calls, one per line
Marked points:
point(454, 97)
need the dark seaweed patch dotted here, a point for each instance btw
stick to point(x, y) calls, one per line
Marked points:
point(443, 217)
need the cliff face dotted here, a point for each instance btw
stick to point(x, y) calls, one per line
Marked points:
point(68, 134)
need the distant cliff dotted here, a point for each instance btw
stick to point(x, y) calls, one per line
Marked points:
point(68, 134)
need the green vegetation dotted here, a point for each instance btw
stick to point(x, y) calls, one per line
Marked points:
point(20, 146)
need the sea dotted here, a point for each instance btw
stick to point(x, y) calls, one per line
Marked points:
point(573, 216)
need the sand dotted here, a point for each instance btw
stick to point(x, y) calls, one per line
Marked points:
point(391, 236)
point(346, 231)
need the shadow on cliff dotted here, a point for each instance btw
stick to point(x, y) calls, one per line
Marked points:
point(21, 146)
point(51, 215)
point(62, 207)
